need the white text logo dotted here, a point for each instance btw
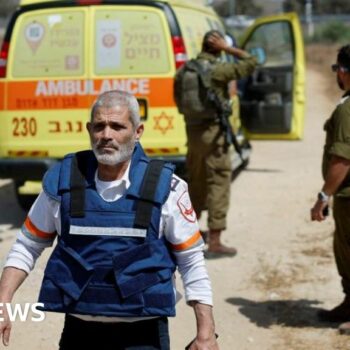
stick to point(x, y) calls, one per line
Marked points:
point(22, 312)
point(87, 87)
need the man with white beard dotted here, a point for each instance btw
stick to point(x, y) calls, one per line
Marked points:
point(123, 225)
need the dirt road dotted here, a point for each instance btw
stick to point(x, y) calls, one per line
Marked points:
point(266, 298)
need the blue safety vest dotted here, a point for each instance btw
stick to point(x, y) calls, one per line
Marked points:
point(109, 259)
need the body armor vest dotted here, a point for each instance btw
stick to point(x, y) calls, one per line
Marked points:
point(109, 259)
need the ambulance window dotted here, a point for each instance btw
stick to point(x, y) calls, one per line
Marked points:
point(49, 43)
point(193, 26)
point(212, 24)
point(130, 42)
point(277, 41)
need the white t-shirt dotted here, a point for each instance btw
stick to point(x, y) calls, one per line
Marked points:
point(178, 224)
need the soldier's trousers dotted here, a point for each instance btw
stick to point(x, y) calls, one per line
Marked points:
point(341, 212)
point(209, 173)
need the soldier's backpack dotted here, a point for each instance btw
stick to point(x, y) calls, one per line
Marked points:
point(192, 92)
point(197, 101)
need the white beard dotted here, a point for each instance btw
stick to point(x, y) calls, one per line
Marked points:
point(120, 155)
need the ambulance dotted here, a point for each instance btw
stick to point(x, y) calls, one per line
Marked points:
point(58, 55)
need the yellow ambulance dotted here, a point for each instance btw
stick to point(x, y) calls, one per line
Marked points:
point(58, 55)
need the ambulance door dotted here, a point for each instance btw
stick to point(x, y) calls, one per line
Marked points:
point(272, 103)
point(132, 52)
point(47, 72)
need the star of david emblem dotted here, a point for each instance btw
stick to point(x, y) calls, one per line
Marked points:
point(163, 123)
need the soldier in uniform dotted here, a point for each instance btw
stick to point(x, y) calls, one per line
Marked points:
point(208, 157)
point(335, 168)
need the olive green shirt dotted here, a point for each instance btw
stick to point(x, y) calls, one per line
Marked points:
point(337, 129)
point(224, 72)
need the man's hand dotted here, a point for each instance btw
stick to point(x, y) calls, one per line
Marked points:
point(5, 326)
point(317, 210)
point(217, 42)
point(11, 279)
point(205, 344)
point(205, 339)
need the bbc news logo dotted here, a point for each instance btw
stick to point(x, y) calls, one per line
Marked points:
point(22, 312)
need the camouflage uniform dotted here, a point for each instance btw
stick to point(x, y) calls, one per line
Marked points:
point(337, 129)
point(208, 158)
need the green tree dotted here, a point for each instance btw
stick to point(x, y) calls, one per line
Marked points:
point(242, 7)
point(248, 7)
point(294, 5)
point(320, 7)
point(332, 6)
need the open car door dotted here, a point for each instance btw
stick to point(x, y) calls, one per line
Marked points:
point(272, 102)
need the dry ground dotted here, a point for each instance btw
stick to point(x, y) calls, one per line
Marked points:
point(266, 298)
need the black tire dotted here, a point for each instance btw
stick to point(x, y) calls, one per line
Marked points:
point(25, 201)
point(245, 164)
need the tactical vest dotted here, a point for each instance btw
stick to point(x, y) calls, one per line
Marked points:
point(192, 92)
point(109, 259)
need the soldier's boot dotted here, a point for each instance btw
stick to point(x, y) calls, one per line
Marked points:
point(340, 313)
point(216, 249)
point(344, 328)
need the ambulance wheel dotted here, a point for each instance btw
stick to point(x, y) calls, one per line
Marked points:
point(245, 164)
point(25, 201)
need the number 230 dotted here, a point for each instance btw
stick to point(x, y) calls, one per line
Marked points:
point(24, 126)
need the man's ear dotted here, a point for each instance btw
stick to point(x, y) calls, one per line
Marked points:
point(139, 131)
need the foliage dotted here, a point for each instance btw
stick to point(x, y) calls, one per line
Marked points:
point(332, 32)
point(294, 5)
point(246, 7)
point(319, 7)
point(332, 6)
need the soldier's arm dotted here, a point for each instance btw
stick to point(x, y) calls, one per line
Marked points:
point(219, 43)
point(340, 150)
point(232, 71)
point(226, 71)
point(339, 165)
point(338, 169)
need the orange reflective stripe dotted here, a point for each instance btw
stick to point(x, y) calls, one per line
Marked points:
point(2, 96)
point(79, 93)
point(187, 244)
point(161, 92)
point(35, 231)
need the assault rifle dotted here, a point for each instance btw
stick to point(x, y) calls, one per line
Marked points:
point(222, 108)
point(224, 113)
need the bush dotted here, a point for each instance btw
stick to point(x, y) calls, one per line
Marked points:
point(332, 32)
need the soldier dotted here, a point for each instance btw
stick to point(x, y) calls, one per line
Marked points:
point(208, 157)
point(335, 168)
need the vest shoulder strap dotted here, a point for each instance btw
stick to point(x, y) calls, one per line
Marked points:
point(146, 201)
point(77, 188)
point(51, 181)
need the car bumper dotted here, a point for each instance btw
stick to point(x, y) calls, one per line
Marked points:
point(25, 169)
